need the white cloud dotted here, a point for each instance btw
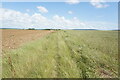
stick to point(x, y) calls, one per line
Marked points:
point(102, 25)
point(42, 9)
point(95, 3)
point(70, 12)
point(99, 3)
point(73, 1)
point(64, 23)
point(16, 19)
point(28, 10)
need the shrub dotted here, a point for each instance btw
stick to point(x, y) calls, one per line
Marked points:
point(31, 28)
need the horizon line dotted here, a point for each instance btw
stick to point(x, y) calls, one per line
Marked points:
point(59, 29)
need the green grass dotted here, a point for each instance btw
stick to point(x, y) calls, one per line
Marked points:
point(65, 54)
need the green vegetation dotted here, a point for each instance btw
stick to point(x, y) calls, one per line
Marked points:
point(65, 54)
point(31, 29)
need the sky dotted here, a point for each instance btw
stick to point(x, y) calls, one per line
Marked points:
point(60, 15)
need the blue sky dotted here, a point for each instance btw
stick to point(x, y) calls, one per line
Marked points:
point(86, 14)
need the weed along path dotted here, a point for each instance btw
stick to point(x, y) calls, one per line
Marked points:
point(65, 54)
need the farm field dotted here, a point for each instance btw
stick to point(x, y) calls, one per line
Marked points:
point(12, 39)
point(61, 54)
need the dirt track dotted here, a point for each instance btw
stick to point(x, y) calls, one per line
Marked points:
point(12, 39)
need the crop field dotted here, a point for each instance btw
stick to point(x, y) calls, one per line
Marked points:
point(60, 54)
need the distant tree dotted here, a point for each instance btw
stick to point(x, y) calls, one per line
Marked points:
point(47, 29)
point(31, 28)
point(57, 29)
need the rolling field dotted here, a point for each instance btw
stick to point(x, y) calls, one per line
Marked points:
point(64, 54)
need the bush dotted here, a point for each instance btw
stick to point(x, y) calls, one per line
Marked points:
point(31, 28)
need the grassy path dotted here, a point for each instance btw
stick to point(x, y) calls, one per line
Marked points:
point(67, 67)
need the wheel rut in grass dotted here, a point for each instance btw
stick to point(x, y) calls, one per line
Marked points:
point(76, 58)
point(66, 66)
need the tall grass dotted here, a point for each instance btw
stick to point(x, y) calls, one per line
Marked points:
point(65, 54)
